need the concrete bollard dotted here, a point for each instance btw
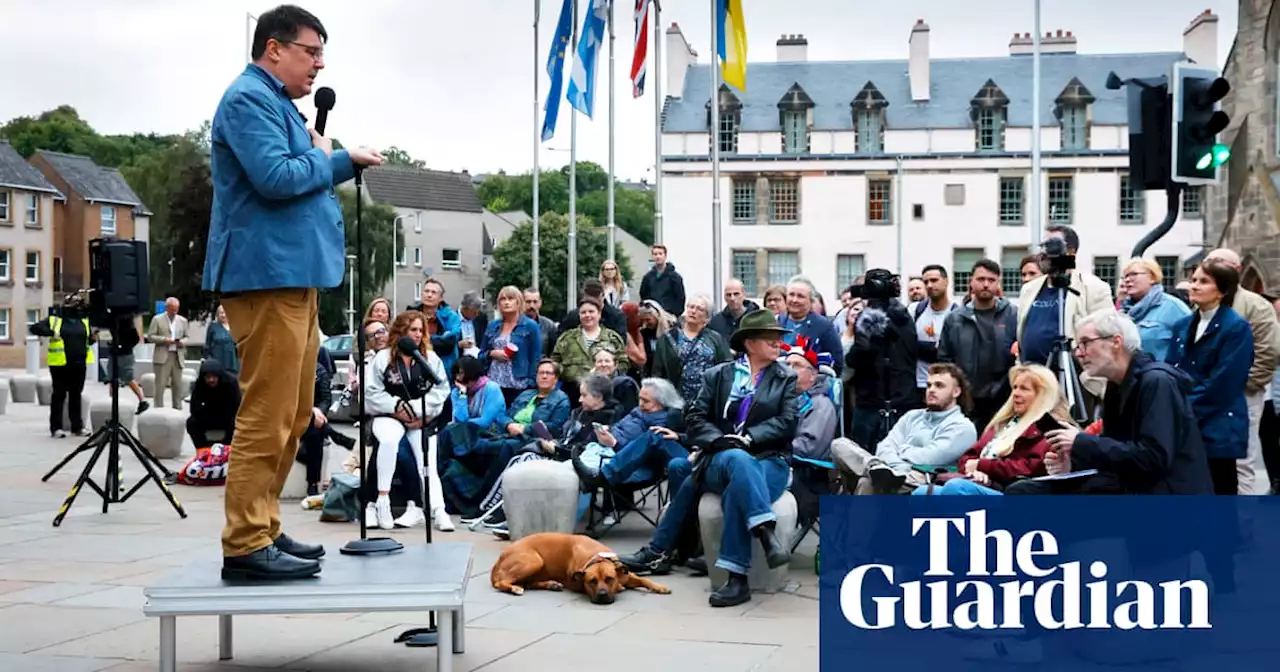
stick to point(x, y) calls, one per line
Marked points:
point(22, 388)
point(761, 578)
point(162, 430)
point(4, 395)
point(84, 412)
point(100, 412)
point(540, 496)
point(33, 355)
point(44, 390)
point(148, 383)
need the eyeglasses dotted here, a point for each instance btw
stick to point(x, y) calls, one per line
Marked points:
point(1084, 343)
point(315, 52)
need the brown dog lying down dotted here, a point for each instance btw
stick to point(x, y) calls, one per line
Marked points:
point(555, 561)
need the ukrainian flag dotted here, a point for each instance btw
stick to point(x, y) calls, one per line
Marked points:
point(732, 43)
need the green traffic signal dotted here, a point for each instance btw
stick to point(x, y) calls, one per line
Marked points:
point(1204, 161)
point(1215, 157)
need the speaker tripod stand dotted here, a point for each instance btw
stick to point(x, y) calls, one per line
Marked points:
point(109, 437)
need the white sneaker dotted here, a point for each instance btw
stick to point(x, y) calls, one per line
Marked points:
point(442, 521)
point(412, 517)
point(370, 516)
point(383, 509)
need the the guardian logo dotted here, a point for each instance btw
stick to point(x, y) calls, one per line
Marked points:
point(1053, 594)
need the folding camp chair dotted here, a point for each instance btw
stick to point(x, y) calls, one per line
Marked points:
point(603, 503)
point(812, 478)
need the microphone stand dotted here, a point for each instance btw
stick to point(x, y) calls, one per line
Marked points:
point(428, 636)
point(364, 545)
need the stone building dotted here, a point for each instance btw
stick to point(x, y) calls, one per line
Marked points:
point(1244, 208)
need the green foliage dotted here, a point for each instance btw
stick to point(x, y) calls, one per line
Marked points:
point(377, 222)
point(398, 157)
point(633, 209)
point(513, 264)
point(190, 208)
point(62, 130)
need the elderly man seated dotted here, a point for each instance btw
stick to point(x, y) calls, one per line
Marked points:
point(742, 424)
point(818, 417)
point(936, 435)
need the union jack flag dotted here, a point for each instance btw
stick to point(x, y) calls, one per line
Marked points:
point(641, 53)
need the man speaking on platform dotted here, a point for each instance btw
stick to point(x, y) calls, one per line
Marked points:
point(276, 236)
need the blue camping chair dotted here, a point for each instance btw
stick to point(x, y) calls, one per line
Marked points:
point(812, 478)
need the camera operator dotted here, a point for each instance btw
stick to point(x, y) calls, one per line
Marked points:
point(70, 352)
point(882, 358)
point(125, 336)
point(1040, 308)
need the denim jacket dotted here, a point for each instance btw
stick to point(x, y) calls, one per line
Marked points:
point(276, 221)
point(527, 336)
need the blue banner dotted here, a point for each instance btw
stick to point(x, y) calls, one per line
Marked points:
point(1049, 582)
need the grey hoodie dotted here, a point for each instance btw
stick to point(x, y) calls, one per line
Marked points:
point(817, 427)
point(927, 437)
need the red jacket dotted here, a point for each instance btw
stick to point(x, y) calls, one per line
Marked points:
point(1026, 459)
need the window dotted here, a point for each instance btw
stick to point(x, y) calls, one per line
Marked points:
point(744, 269)
point(33, 267)
point(1075, 128)
point(417, 256)
point(400, 258)
point(33, 316)
point(879, 201)
point(784, 202)
point(450, 258)
point(1060, 199)
point(417, 224)
point(990, 129)
point(795, 132)
point(4, 206)
point(917, 211)
point(1131, 202)
point(4, 324)
point(1011, 201)
point(783, 266)
point(962, 263)
point(1169, 267)
point(744, 201)
point(848, 268)
point(1011, 270)
point(108, 220)
point(417, 289)
point(1192, 202)
point(728, 133)
point(953, 194)
point(33, 209)
point(869, 126)
point(4, 266)
point(1107, 270)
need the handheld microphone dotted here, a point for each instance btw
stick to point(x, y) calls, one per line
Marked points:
point(324, 100)
point(406, 347)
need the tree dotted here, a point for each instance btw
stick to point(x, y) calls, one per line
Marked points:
point(62, 130)
point(190, 208)
point(512, 260)
point(633, 209)
point(398, 157)
point(377, 222)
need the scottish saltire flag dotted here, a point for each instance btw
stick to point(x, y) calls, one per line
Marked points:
point(555, 69)
point(582, 82)
point(641, 53)
point(731, 43)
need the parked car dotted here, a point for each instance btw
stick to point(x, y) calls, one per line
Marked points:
point(339, 346)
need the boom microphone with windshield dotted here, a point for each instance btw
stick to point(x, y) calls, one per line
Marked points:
point(407, 348)
point(324, 100)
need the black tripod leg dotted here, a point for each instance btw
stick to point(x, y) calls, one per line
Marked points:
point(88, 444)
point(147, 459)
point(80, 482)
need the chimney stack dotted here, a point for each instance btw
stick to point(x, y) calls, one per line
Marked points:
point(918, 65)
point(678, 56)
point(1053, 42)
point(793, 49)
point(1200, 40)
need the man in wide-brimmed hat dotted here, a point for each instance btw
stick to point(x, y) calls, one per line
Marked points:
point(742, 426)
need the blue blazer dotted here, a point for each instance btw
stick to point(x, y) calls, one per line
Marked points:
point(276, 221)
point(527, 336)
point(1219, 366)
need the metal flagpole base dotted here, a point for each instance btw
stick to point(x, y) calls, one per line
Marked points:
point(371, 546)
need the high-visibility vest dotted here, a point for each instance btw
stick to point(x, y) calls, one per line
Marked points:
point(58, 347)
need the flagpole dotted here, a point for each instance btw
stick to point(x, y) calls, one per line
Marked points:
point(716, 278)
point(537, 139)
point(571, 285)
point(248, 37)
point(656, 85)
point(613, 99)
point(1036, 219)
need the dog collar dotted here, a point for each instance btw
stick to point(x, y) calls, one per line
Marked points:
point(600, 557)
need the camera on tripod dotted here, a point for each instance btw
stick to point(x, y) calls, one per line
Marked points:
point(1059, 262)
point(878, 284)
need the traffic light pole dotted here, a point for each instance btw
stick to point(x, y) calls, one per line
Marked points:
point(1173, 194)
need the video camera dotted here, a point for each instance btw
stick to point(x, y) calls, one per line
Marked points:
point(1059, 261)
point(878, 284)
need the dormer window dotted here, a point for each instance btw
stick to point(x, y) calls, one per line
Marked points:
point(793, 112)
point(868, 120)
point(1072, 110)
point(730, 119)
point(989, 110)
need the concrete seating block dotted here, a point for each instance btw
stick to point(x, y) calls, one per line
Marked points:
point(148, 383)
point(23, 388)
point(4, 395)
point(188, 383)
point(162, 431)
point(84, 411)
point(44, 390)
point(100, 412)
point(141, 367)
point(711, 524)
point(540, 496)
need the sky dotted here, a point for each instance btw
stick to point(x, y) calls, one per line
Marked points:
point(451, 81)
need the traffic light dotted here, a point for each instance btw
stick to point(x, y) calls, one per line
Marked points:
point(1196, 153)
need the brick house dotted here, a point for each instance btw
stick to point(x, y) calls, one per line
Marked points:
point(98, 203)
point(1244, 208)
point(27, 207)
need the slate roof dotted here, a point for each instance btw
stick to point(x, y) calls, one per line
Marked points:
point(93, 182)
point(16, 172)
point(953, 83)
point(405, 187)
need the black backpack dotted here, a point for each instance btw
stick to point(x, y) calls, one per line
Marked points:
point(922, 304)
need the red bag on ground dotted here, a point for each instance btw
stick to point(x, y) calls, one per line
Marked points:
point(208, 467)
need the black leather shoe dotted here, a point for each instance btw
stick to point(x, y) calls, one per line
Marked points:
point(697, 565)
point(298, 549)
point(885, 482)
point(775, 552)
point(735, 591)
point(342, 440)
point(592, 479)
point(268, 564)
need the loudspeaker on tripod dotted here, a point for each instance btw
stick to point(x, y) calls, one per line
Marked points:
point(118, 279)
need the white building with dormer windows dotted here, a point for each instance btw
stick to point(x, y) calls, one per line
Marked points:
point(826, 166)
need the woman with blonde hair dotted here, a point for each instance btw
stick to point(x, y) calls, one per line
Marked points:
point(1146, 303)
point(616, 291)
point(1013, 445)
point(511, 345)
